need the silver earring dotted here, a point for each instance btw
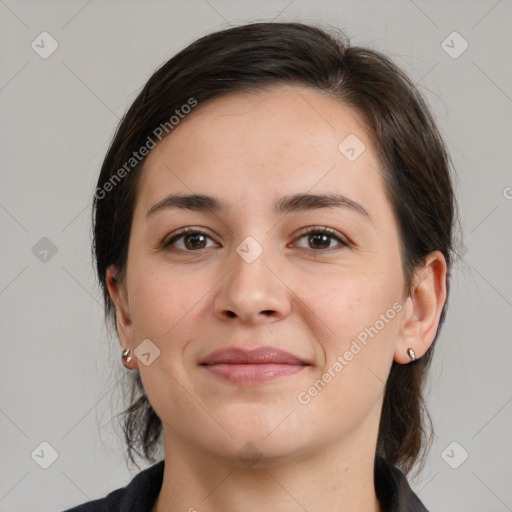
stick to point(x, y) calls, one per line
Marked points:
point(127, 359)
point(411, 353)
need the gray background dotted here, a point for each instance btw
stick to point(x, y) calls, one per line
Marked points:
point(60, 370)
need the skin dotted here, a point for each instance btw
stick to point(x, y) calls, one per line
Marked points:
point(250, 149)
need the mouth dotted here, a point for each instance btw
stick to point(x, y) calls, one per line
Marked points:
point(243, 367)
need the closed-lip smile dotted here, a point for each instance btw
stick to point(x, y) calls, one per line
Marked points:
point(249, 367)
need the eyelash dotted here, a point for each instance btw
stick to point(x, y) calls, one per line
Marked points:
point(316, 230)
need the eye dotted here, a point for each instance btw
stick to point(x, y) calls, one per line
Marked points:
point(320, 238)
point(187, 239)
point(193, 239)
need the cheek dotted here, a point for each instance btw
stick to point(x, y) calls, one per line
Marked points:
point(347, 302)
point(163, 300)
point(357, 333)
point(359, 315)
point(357, 346)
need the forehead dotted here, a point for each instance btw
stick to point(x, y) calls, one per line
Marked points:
point(262, 144)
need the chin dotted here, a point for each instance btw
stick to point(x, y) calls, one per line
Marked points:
point(257, 453)
point(260, 441)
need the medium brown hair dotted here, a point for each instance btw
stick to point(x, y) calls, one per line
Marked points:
point(414, 160)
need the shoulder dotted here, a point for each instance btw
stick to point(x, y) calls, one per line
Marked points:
point(393, 489)
point(138, 496)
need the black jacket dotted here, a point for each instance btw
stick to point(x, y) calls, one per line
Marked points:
point(393, 492)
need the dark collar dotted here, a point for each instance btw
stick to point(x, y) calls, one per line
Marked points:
point(393, 490)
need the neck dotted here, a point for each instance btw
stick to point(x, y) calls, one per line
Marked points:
point(337, 478)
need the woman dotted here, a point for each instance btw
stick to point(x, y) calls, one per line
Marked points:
point(273, 234)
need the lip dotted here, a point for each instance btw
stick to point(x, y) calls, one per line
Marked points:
point(249, 367)
point(260, 355)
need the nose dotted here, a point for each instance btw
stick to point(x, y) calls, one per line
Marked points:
point(253, 291)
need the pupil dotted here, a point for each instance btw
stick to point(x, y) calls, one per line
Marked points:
point(195, 238)
point(317, 238)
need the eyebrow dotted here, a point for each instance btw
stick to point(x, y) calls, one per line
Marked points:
point(285, 205)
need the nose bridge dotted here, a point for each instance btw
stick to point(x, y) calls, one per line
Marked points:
point(251, 289)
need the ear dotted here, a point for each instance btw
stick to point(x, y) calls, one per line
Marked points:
point(119, 296)
point(422, 309)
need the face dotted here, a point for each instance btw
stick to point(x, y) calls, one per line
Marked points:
point(318, 279)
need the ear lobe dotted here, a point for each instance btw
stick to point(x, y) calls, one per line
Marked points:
point(117, 291)
point(422, 310)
